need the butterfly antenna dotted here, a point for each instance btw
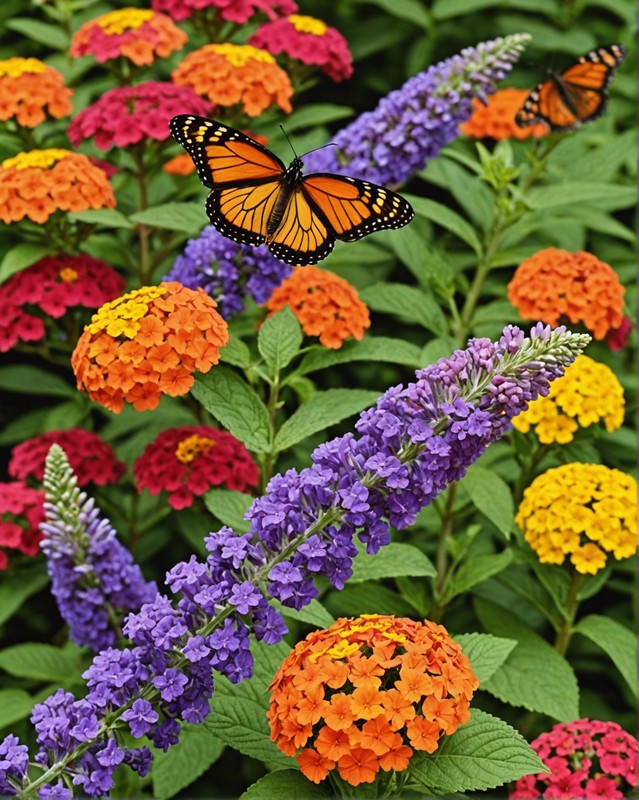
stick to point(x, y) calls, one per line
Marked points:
point(289, 141)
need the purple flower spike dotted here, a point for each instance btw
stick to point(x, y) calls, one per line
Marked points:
point(411, 124)
point(95, 581)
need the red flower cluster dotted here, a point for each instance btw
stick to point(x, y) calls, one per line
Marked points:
point(239, 11)
point(587, 759)
point(134, 33)
point(188, 461)
point(92, 460)
point(21, 512)
point(53, 285)
point(130, 114)
point(308, 40)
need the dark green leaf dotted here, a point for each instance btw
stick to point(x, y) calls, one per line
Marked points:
point(21, 378)
point(367, 598)
point(320, 412)
point(50, 35)
point(607, 196)
point(41, 662)
point(286, 784)
point(280, 339)
point(392, 561)
point(316, 114)
point(372, 348)
point(108, 217)
point(313, 614)
point(485, 652)
point(492, 496)
point(616, 641)
point(407, 302)
point(20, 257)
point(236, 405)
point(475, 570)
point(235, 352)
point(184, 762)
point(15, 589)
point(412, 11)
point(447, 218)
point(229, 507)
point(187, 217)
point(14, 705)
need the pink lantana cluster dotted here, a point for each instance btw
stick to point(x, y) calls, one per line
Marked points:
point(188, 461)
point(21, 512)
point(239, 11)
point(131, 114)
point(53, 285)
point(587, 759)
point(91, 458)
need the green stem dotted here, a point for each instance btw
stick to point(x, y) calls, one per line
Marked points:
point(443, 566)
point(564, 634)
point(269, 459)
point(144, 267)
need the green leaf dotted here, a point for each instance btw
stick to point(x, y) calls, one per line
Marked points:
point(184, 762)
point(316, 114)
point(492, 496)
point(444, 216)
point(477, 569)
point(235, 352)
point(236, 405)
point(41, 662)
point(616, 641)
point(320, 412)
point(238, 713)
point(407, 302)
point(286, 784)
point(445, 9)
point(229, 507)
point(186, 217)
point(280, 339)
point(473, 195)
point(607, 196)
point(372, 348)
point(393, 561)
point(412, 11)
point(20, 257)
point(485, 652)
point(313, 614)
point(101, 216)
point(51, 35)
point(14, 705)
point(483, 754)
point(367, 598)
point(553, 691)
point(440, 347)
point(15, 589)
point(22, 378)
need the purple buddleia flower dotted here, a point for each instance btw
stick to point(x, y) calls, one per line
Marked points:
point(95, 581)
point(227, 271)
point(411, 124)
point(409, 447)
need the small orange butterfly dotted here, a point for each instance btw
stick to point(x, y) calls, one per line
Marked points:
point(255, 199)
point(577, 95)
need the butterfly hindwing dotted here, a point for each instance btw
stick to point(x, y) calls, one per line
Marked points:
point(354, 208)
point(242, 212)
point(303, 237)
point(576, 96)
point(224, 156)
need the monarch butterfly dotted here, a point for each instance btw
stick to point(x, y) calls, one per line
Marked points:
point(575, 96)
point(256, 199)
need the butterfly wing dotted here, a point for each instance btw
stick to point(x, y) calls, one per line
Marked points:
point(354, 208)
point(576, 96)
point(224, 156)
point(242, 212)
point(303, 236)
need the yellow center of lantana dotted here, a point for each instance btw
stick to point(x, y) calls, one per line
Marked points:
point(14, 67)
point(193, 446)
point(35, 158)
point(308, 24)
point(121, 317)
point(239, 54)
point(124, 20)
point(68, 275)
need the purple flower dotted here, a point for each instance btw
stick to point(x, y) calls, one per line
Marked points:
point(57, 792)
point(227, 271)
point(14, 759)
point(140, 717)
point(95, 581)
point(411, 124)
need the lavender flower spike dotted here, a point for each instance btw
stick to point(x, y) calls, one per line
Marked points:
point(411, 124)
point(412, 444)
point(95, 581)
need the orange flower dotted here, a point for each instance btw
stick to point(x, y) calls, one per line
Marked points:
point(231, 74)
point(39, 183)
point(133, 33)
point(29, 90)
point(555, 284)
point(495, 118)
point(117, 358)
point(179, 165)
point(325, 305)
point(416, 688)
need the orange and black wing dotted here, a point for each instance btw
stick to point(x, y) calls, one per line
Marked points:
point(303, 236)
point(224, 156)
point(576, 96)
point(353, 208)
point(242, 212)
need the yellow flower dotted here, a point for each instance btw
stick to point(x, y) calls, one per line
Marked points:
point(566, 510)
point(588, 393)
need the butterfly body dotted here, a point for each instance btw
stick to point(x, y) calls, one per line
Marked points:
point(575, 96)
point(255, 199)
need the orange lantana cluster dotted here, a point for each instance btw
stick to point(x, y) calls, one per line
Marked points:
point(39, 183)
point(554, 285)
point(148, 343)
point(29, 90)
point(134, 33)
point(324, 304)
point(231, 74)
point(495, 117)
point(365, 693)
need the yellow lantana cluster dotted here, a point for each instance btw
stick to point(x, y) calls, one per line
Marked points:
point(588, 393)
point(586, 510)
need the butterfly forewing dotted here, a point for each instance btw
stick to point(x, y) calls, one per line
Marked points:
point(242, 212)
point(354, 208)
point(224, 156)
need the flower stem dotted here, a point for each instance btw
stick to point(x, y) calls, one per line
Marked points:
point(443, 573)
point(564, 634)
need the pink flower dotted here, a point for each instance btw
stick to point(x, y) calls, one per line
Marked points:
point(21, 512)
point(239, 11)
point(602, 788)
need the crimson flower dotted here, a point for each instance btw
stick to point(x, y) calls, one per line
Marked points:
point(21, 512)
